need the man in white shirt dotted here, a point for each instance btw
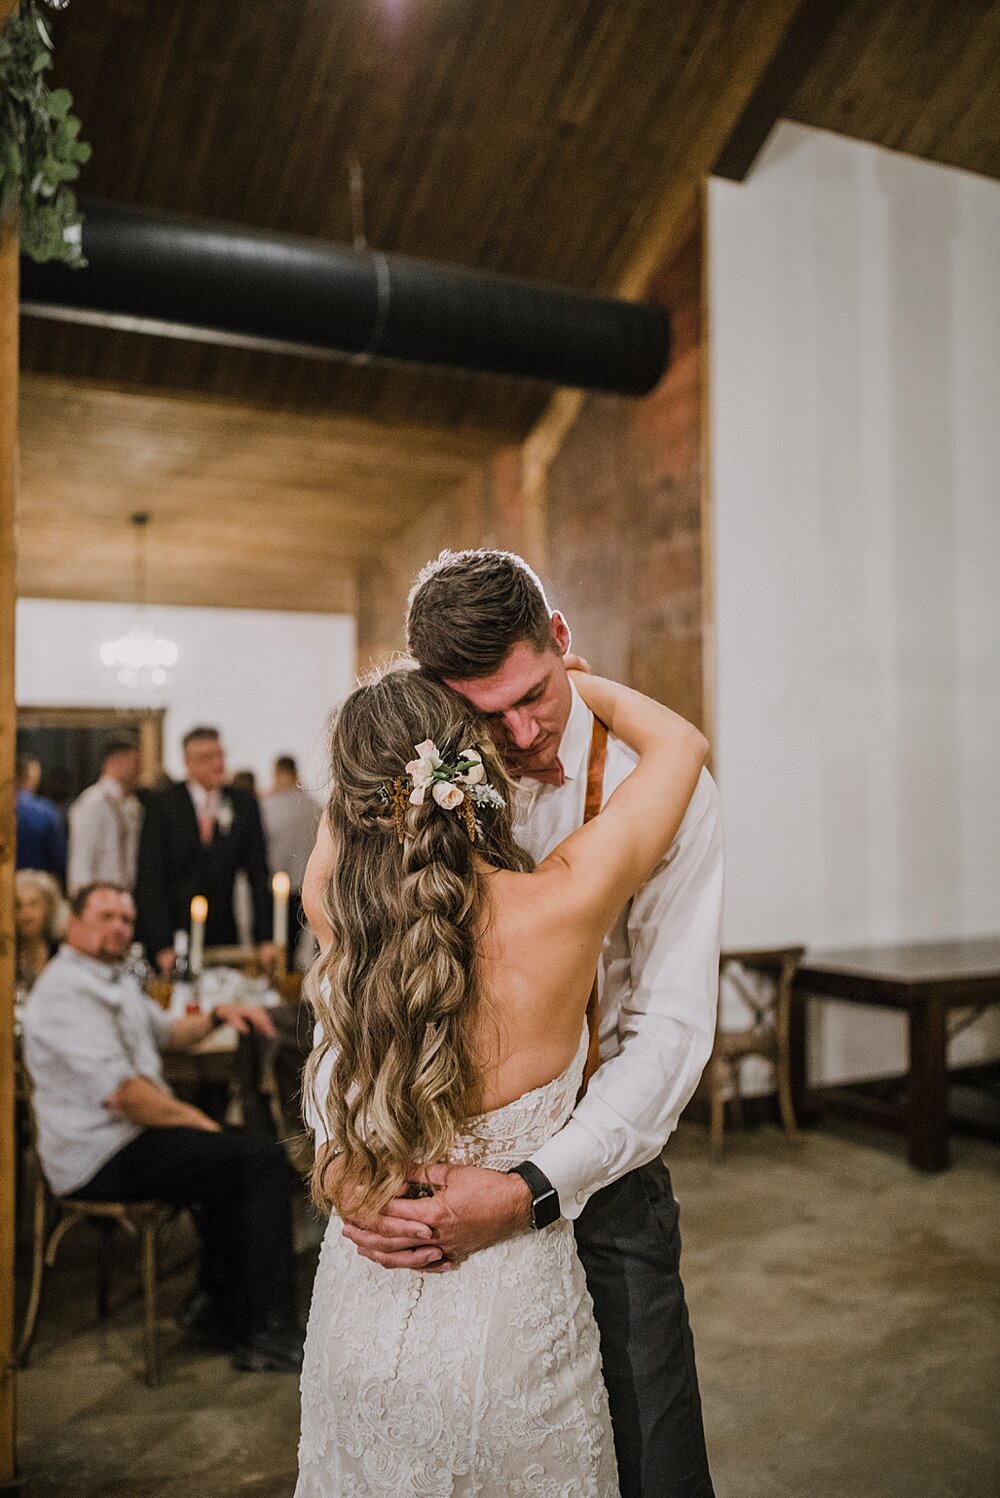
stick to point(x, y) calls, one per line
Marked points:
point(110, 1129)
point(479, 621)
point(290, 817)
point(104, 822)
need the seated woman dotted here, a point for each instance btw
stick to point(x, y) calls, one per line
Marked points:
point(38, 923)
point(451, 992)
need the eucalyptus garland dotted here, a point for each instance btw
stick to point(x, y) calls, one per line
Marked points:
point(40, 148)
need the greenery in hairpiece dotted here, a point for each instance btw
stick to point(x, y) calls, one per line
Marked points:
point(456, 785)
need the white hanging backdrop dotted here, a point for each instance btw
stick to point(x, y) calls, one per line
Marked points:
point(855, 399)
point(267, 680)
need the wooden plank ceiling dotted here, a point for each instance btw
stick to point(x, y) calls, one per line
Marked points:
point(534, 137)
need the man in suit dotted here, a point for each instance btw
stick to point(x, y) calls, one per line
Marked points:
point(195, 838)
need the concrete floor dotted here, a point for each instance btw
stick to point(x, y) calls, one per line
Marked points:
point(845, 1311)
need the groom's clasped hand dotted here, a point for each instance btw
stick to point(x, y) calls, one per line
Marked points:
point(469, 1209)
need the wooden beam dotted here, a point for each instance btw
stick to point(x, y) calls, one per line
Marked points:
point(803, 41)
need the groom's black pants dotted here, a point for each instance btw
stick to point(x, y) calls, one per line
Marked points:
point(628, 1237)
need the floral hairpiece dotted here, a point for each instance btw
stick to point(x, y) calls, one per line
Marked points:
point(457, 785)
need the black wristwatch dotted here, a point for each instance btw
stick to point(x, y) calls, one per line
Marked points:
point(545, 1208)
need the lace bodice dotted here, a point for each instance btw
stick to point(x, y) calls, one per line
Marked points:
point(507, 1135)
point(482, 1383)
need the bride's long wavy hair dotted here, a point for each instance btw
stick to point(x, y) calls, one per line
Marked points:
point(398, 990)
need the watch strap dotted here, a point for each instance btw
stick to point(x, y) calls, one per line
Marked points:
point(545, 1207)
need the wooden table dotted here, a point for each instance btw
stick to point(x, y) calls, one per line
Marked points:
point(923, 979)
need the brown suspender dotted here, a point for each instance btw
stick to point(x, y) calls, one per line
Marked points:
point(591, 806)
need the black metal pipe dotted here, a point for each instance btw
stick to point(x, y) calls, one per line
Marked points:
point(147, 268)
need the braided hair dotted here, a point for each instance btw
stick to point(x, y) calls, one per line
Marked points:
point(398, 990)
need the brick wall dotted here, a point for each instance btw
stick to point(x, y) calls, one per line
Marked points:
point(624, 515)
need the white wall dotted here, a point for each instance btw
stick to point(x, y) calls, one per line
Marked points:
point(267, 680)
point(855, 388)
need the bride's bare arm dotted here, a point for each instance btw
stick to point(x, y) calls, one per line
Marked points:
point(608, 860)
point(314, 882)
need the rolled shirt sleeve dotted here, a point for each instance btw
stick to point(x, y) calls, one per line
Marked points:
point(660, 990)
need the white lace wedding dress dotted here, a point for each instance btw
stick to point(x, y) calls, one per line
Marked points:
point(485, 1381)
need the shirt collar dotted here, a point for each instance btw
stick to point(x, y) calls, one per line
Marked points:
point(110, 972)
point(113, 787)
point(202, 798)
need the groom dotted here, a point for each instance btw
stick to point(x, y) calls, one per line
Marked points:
point(480, 622)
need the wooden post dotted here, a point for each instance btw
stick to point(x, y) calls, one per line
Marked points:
point(8, 834)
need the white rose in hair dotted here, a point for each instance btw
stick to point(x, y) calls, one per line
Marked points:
point(417, 796)
point(428, 750)
point(448, 796)
point(420, 771)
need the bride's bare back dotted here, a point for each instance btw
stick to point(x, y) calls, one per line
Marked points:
point(541, 936)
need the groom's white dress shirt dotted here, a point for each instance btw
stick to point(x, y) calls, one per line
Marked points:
point(659, 977)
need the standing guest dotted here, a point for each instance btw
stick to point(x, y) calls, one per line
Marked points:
point(291, 818)
point(244, 780)
point(104, 822)
point(38, 909)
point(195, 837)
point(41, 834)
point(109, 1129)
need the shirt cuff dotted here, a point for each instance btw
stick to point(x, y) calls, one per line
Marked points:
point(578, 1167)
point(573, 1161)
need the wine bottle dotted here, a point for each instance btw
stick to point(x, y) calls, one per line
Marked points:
point(182, 994)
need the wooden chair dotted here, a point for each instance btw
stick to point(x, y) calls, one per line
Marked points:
point(766, 1036)
point(53, 1217)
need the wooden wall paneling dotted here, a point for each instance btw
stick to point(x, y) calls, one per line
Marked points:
point(923, 78)
point(249, 508)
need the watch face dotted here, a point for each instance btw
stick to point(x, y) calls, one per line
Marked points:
point(545, 1209)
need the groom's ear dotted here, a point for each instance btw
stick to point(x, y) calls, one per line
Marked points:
point(560, 632)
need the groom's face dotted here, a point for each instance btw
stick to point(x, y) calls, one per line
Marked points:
point(527, 702)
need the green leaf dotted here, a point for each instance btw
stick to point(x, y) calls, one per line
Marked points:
point(60, 103)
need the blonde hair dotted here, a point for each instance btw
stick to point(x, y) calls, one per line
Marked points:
point(398, 988)
point(48, 888)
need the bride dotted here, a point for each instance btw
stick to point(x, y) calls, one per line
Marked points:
point(451, 993)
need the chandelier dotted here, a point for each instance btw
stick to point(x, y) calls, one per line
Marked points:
point(140, 662)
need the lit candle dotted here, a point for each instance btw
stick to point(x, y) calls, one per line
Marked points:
point(280, 886)
point(199, 915)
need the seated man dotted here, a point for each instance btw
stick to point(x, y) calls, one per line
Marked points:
point(109, 1129)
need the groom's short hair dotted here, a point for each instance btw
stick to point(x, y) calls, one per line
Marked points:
point(468, 609)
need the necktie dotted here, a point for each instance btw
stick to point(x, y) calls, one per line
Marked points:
point(206, 820)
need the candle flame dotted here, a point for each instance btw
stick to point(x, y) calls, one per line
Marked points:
point(280, 885)
point(199, 909)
